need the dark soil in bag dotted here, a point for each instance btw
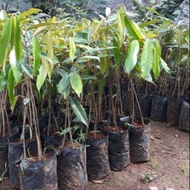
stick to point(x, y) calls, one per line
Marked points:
point(4, 156)
point(97, 158)
point(38, 174)
point(184, 121)
point(15, 151)
point(173, 111)
point(159, 108)
point(118, 149)
point(139, 141)
point(71, 169)
point(145, 102)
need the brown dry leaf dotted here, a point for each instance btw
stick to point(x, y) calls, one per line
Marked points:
point(98, 181)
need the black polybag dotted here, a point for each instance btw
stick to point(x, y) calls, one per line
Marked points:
point(97, 158)
point(139, 140)
point(118, 149)
point(71, 169)
point(15, 151)
point(4, 156)
point(173, 111)
point(38, 174)
point(184, 121)
point(145, 102)
point(159, 108)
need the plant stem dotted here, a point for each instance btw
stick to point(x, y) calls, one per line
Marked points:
point(141, 116)
point(23, 130)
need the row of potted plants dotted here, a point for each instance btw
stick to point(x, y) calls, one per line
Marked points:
point(64, 77)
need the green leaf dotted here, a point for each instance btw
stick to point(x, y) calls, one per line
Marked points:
point(10, 87)
point(29, 12)
point(45, 56)
point(17, 38)
point(27, 69)
point(87, 58)
point(79, 111)
point(66, 130)
point(148, 23)
point(3, 81)
point(152, 10)
point(63, 84)
point(132, 55)
point(3, 15)
point(4, 41)
point(72, 50)
point(16, 68)
point(164, 65)
point(76, 82)
point(40, 26)
point(49, 46)
point(36, 54)
point(88, 77)
point(120, 28)
point(133, 29)
point(81, 40)
point(146, 58)
point(26, 101)
point(62, 72)
point(103, 65)
point(116, 53)
point(156, 60)
point(41, 77)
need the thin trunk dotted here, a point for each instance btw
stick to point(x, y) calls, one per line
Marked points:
point(141, 116)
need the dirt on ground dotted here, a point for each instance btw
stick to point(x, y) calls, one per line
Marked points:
point(167, 169)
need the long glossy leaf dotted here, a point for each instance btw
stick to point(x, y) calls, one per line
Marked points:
point(133, 29)
point(46, 62)
point(120, 28)
point(39, 29)
point(3, 15)
point(4, 43)
point(72, 50)
point(164, 66)
point(99, 25)
point(76, 82)
point(63, 84)
point(17, 39)
point(10, 87)
point(103, 65)
point(148, 23)
point(132, 55)
point(88, 77)
point(36, 54)
point(36, 26)
point(116, 53)
point(16, 68)
point(41, 76)
point(79, 111)
point(29, 12)
point(146, 58)
point(156, 60)
point(49, 45)
point(87, 58)
point(62, 72)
